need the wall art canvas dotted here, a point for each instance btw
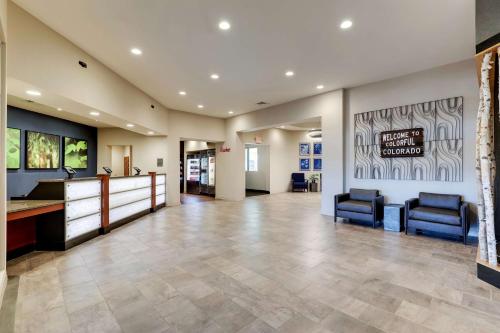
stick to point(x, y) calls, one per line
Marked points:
point(317, 164)
point(442, 124)
point(317, 148)
point(75, 153)
point(305, 164)
point(13, 148)
point(42, 150)
point(304, 149)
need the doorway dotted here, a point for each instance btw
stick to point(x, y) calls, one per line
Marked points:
point(257, 169)
point(121, 160)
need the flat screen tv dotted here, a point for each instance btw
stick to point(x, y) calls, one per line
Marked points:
point(75, 153)
point(42, 150)
point(13, 148)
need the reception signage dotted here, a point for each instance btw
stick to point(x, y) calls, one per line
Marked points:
point(402, 143)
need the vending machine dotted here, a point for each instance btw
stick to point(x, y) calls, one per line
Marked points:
point(193, 174)
point(207, 172)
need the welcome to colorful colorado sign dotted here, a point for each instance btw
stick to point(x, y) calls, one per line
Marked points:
point(402, 143)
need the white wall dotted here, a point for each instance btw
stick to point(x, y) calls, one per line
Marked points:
point(328, 106)
point(260, 179)
point(457, 79)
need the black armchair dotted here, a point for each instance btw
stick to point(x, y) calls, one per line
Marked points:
point(441, 213)
point(360, 205)
point(299, 182)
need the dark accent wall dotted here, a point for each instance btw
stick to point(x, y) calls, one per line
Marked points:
point(21, 182)
point(487, 24)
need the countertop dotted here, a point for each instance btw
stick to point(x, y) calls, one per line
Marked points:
point(20, 205)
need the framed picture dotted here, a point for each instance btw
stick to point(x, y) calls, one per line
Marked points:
point(42, 150)
point(317, 148)
point(305, 164)
point(75, 153)
point(13, 148)
point(304, 149)
point(317, 164)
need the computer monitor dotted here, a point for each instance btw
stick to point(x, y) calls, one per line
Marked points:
point(137, 171)
point(108, 170)
point(70, 171)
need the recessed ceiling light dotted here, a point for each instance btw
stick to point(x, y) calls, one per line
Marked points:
point(289, 73)
point(200, 106)
point(224, 25)
point(231, 112)
point(33, 92)
point(346, 24)
point(94, 113)
point(182, 93)
point(214, 76)
point(136, 51)
point(151, 133)
point(59, 109)
point(282, 126)
point(320, 86)
point(130, 125)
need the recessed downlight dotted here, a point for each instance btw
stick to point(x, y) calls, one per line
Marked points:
point(282, 126)
point(33, 93)
point(136, 51)
point(130, 125)
point(182, 93)
point(59, 109)
point(224, 25)
point(320, 86)
point(200, 106)
point(151, 133)
point(94, 113)
point(214, 76)
point(230, 112)
point(346, 24)
point(289, 73)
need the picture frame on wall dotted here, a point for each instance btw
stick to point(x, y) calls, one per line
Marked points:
point(13, 148)
point(317, 164)
point(304, 164)
point(317, 148)
point(304, 149)
point(75, 153)
point(42, 151)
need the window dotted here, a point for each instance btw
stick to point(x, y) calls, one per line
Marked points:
point(251, 159)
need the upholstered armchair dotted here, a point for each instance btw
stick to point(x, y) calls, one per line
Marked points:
point(299, 182)
point(360, 205)
point(441, 213)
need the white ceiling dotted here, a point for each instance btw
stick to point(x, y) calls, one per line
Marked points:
point(182, 44)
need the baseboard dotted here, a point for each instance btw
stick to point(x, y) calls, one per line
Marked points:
point(258, 191)
point(3, 284)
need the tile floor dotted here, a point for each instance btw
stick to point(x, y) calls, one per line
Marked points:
point(266, 264)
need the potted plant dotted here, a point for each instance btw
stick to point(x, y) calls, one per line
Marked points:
point(313, 178)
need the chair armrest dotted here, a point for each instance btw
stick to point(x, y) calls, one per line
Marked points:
point(464, 214)
point(378, 206)
point(341, 197)
point(411, 203)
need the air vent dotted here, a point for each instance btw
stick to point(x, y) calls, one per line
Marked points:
point(262, 103)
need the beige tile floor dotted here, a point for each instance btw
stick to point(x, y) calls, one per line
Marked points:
point(267, 264)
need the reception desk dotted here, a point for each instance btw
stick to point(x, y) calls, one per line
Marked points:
point(61, 213)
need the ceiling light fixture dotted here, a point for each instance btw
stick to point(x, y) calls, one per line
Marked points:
point(231, 112)
point(59, 109)
point(136, 51)
point(214, 76)
point(200, 106)
point(151, 133)
point(282, 126)
point(289, 73)
point(320, 86)
point(33, 92)
point(224, 25)
point(346, 24)
point(130, 125)
point(94, 113)
point(182, 93)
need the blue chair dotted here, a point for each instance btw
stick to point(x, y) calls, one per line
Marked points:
point(299, 182)
point(360, 205)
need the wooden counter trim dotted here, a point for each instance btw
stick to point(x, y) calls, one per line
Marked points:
point(104, 203)
point(153, 190)
point(34, 211)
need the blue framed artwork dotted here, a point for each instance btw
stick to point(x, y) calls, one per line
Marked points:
point(304, 149)
point(317, 148)
point(305, 164)
point(317, 164)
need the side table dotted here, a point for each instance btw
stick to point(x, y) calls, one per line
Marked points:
point(394, 217)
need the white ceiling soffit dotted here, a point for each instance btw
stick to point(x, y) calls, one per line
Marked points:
point(182, 45)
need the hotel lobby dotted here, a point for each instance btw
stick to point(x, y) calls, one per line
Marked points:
point(249, 166)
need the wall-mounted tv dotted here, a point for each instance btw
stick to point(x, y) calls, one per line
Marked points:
point(75, 153)
point(42, 150)
point(13, 148)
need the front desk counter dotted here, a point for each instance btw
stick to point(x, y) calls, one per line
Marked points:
point(86, 207)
